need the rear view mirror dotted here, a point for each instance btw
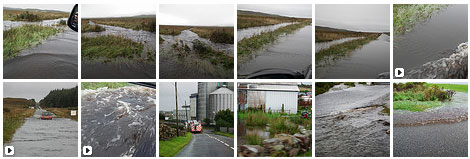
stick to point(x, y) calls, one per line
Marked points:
point(72, 22)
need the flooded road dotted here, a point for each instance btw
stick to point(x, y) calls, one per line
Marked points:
point(433, 39)
point(7, 25)
point(187, 37)
point(326, 45)
point(249, 32)
point(46, 138)
point(119, 122)
point(352, 123)
point(54, 58)
point(292, 51)
point(368, 61)
point(208, 144)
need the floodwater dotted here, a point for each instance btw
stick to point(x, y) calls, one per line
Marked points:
point(326, 45)
point(129, 69)
point(249, 32)
point(119, 122)
point(7, 25)
point(350, 122)
point(46, 138)
point(292, 51)
point(54, 58)
point(368, 61)
point(433, 39)
point(171, 68)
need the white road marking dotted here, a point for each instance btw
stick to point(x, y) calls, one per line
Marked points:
point(221, 141)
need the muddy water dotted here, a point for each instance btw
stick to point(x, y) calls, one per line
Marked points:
point(292, 51)
point(7, 25)
point(326, 45)
point(46, 138)
point(188, 36)
point(249, 32)
point(119, 122)
point(54, 58)
point(368, 61)
point(433, 39)
point(349, 123)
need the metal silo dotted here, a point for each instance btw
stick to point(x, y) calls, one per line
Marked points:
point(220, 99)
point(203, 91)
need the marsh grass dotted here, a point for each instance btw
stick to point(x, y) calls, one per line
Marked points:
point(87, 27)
point(15, 110)
point(248, 20)
point(32, 16)
point(134, 23)
point(249, 45)
point(215, 34)
point(23, 37)
point(328, 35)
point(406, 16)
point(338, 51)
point(110, 47)
point(254, 139)
point(172, 29)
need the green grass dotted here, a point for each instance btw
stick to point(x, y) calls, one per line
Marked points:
point(96, 85)
point(224, 134)
point(415, 106)
point(338, 51)
point(249, 45)
point(254, 139)
point(455, 87)
point(406, 16)
point(19, 38)
point(110, 47)
point(172, 147)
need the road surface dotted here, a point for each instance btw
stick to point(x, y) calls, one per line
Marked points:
point(208, 144)
point(54, 58)
point(46, 138)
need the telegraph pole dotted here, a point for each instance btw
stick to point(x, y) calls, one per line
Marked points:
point(177, 121)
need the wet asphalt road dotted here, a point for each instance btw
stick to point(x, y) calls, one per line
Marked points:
point(46, 138)
point(208, 144)
point(54, 58)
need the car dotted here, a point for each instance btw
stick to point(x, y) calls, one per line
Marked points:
point(46, 116)
point(196, 127)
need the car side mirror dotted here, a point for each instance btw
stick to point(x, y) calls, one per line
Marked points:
point(72, 22)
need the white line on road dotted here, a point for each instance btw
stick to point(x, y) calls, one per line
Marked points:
point(221, 141)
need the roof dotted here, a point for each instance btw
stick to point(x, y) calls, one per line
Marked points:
point(273, 87)
point(222, 90)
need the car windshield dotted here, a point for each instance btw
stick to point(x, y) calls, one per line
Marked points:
point(46, 114)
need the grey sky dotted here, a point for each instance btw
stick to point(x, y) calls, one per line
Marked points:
point(196, 14)
point(35, 90)
point(290, 10)
point(355, 17)
point(116, 10)
point(58, 7)
point(167, 94)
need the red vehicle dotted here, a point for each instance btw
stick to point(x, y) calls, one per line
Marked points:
point(196, 127)
point(46, 116)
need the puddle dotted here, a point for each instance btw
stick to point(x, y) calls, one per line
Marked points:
point(249, 32)
point(368, 61)
point(433, 39)
point(292, 51)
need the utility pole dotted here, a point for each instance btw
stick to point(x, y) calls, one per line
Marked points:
point(186, 108)
point(177, 121)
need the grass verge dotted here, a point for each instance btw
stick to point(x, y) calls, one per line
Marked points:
point(215, 34)
point(337, 51)
point(110, 47)
point(406, 16)
point(224, 134)
point(64, 112)
point(32, 16)
point(23, 37)
point(171, 147)
point(419, 96)
point(134, 23)
point(13, 118)
point(455, 87)
point(87, 27)
point(96, 85)
point(415, 106)
point(249, 20)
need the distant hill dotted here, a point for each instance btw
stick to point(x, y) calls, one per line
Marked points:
point(18, 102)
point(34, 10)
point(246, 12)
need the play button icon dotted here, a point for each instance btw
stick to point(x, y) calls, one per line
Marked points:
point(9, 150)
point(87, 150)
point(399, 72)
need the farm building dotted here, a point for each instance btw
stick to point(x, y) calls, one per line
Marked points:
point(275, 97)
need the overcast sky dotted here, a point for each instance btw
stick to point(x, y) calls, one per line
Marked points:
point(167, 94)
point(355, 17)
point(196, 14)
point(33, 90)
point(290, 10)
point(116, 10)
point(58, 7)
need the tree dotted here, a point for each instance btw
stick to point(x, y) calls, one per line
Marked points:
point(224, 119)
point(61, 98)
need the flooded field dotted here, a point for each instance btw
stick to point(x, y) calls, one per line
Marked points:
point(7, 24)
point(368, 61)
point(249, 32)
point(46, 138)
point(352, 122)
point(188, 36)
point(433, 39)
point(119, 122)
point(292, 51)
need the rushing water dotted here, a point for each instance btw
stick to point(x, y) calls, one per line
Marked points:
point(46, 138)
point(350, 122)
point(326, 45)
point(188, 36)
point(249, 32)
point(368, 61)
point(7, 25)
point(432, 40)
point(119, 122)
point(292, 51)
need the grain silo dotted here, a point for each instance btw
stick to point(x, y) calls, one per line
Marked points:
point(220, 99)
